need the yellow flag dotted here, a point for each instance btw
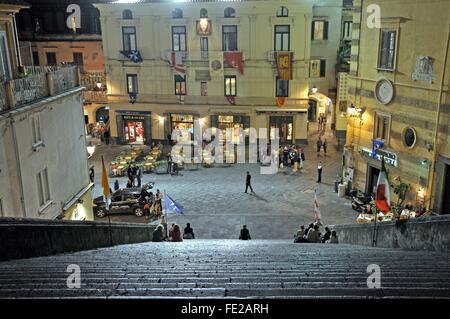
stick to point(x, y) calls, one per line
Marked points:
point(105, 183)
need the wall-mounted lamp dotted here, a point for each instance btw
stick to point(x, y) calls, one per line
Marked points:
point(425, 163)
point(352, 111)
point(314, 89)
point(161, 119)
point(98, 85)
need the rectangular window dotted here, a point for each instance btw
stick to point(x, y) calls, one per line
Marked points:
point(78, 59)
point(317, 68)
point(347, 30)
point(36, 128)
point(381, 129)
point(179, 38)
point(229, 38)
point(204, 88)
point(51, 58)
point(282, 38)
point(180, 85)
point(282, 89)
point(204, 47)
point(129, 38)
point(36, 58)
point(319, 30)
point(230, 85)
point(5, 69)
point(43, 187)
point(387, 49)
point(132, 84)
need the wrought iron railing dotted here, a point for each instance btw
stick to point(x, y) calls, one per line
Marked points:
point(65, 79)
point(29, 89)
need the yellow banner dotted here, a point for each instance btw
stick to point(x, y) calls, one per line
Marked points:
point(284, 65)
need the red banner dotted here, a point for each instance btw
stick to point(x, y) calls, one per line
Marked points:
point(280, 101)
point(235, 60)
point(284, 65)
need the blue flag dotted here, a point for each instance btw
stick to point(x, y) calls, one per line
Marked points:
point(134, 56)
point(172, 206)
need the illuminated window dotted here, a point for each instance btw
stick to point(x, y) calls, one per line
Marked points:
point(179, 38)
point(317, 68)
point(282, 38)
point(180, 85)
point(230, 85)
point(381, 128)
point(132, 84)
point(319, 30)
point(282, 88)
point(129, 38)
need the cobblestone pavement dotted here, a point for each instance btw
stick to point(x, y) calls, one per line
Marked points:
point(216, 206)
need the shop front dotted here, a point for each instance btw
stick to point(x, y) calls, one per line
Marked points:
point(238, 124)
point(182, 125)
point(134, 127)
point(284, 125)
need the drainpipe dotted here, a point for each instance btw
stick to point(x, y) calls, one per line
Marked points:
point(19, 170)
point(436, 130)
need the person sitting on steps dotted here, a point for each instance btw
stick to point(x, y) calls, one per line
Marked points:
point(245, 234)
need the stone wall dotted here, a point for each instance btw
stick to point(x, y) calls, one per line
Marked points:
point(417, 234)
point(24, 238)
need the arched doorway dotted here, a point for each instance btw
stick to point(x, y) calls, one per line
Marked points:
point(102, 115)
point(312, 111)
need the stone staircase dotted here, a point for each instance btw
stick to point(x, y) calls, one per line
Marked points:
point(230, 268)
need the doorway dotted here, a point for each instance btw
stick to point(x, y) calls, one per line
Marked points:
point(312, 111)
point(284, 126)
point(372, 180)
point(446, 194)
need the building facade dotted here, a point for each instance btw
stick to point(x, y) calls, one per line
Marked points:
point(169, 63)
point(55, 32)
point(398, 87)
point(43, 161)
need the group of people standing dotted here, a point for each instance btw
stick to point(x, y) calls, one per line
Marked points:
point(134, 173)
point(312, 235)
point(291, 156)
point(151, 203)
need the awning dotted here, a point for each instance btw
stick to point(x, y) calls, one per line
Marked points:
point(279, 110)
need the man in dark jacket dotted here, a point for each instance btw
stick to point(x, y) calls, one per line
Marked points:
point(245, 234)
point(248, 182)
point(327, 235)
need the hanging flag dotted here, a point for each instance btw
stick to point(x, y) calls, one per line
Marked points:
point(216, 62)
point(133, 55)
point(317, 215)
point(171, 206)
point(284, 65)
point(105, 183)
point(383, 195)
point(235, 60)
point(231, 99)
point(376, 145)
point(175, 59)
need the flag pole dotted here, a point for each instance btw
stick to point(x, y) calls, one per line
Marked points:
point(165, 214)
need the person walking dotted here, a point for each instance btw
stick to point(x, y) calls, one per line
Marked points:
point(248, 182)
point(319, 145)
point(169, 163)
point(91, 174)
point(245, 234)
point(324, 145)
point(302, 157)
point(116, 185)
point(319, 173)
point(138, 175)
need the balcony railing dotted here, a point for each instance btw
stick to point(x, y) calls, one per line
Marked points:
point(95, 97)
point(38, 84)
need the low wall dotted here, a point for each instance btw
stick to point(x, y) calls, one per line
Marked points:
point(431, 233)
point(24, 238)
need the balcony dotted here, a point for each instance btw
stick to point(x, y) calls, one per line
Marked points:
point(38, 84)
point(95, 87)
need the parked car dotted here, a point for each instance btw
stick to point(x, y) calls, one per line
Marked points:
point(123, 200)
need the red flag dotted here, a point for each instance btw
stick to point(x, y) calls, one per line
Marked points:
point(383, 196)
point(235, 60)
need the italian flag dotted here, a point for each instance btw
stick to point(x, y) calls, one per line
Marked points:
point(383, 196)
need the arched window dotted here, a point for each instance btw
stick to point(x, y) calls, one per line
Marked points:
point(127, 14)
point(229, 13)
point(282, 12)
point(177, 14)
point(203, 13)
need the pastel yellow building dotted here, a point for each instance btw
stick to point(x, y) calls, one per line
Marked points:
point(225, 53)
point(399, 87)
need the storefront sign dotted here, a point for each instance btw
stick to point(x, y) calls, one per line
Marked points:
point(127, 112)
point(284, 65)
point(389, 158)
point(133, 117)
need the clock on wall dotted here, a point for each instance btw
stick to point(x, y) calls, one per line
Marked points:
point(384, 91)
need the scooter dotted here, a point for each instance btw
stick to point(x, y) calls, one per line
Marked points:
point(360, 202)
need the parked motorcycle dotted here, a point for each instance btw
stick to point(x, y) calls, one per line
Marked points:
point(360, 202)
